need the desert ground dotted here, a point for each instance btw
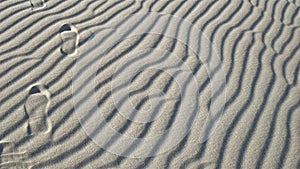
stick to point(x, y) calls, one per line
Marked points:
point(228, 99)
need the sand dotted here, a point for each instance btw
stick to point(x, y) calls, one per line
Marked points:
point(257, 43)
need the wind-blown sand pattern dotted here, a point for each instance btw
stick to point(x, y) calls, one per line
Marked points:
point(258, 43)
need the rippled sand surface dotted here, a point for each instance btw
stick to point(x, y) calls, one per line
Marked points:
point(258, 44)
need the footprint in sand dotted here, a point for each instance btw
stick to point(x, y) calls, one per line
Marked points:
point(37, 4)
point(254, 3)
point(70, 39)
point(11, 157)
point(36, 107)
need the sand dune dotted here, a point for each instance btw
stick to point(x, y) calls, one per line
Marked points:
point(258, 44)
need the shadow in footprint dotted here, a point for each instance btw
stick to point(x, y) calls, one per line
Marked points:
point(70, 39)
point(36, 108)
point(34, 90)
point(37, 4)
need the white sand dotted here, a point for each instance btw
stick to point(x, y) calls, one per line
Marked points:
point(257, 41)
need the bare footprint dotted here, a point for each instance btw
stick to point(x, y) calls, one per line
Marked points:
point(70, 39)
point(36, 107)
point(254, 2)
point(37, 4)
point(11, 157)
